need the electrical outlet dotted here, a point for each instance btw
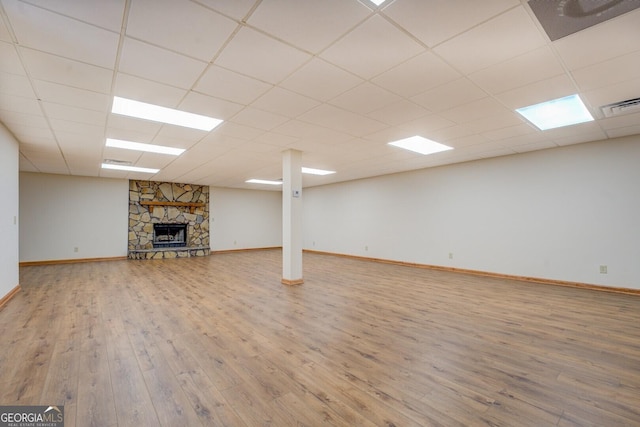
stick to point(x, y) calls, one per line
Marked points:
point(366, 248)
point(75, 249)
point(450, 255)
point(603, 269)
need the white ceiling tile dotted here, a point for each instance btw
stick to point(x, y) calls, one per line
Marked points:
point(449, 95)
point(365, 98)
point(81, 98)
point(84, 165)
point(237, 9)
point(617, 70)
point(342, 120)
point(600, 42)
point(624, 131)
point(119, 126)
point(474, 110)
point(320, 80)
point(160, 65)
point(121, 155)
point(20, 104)
point(74, 114)
point(105, 14)
point(416, 75)
point(580, 138)
point(508, 132)
point(525, 148)
point(399, 112)
point(9, 59)
point(180, 26)
point(237, 130)
point(312, 133)
point(14, 84)
point(311, 26)
point(231, 86)
point(530, 67)
point(620, 122)
point(285, 102)
point(139, 89)
point(426, 125)
point(47, 31)
point(209, 106)
point(260, 119)
point(52, 68)
point(68, 129)
point(17, 119)
point(81, 143)
point(5, 35)
point(372, 48)
point(495, 122)
point(277, 139)
point(510, 34)
point(544, 90)
point(37, 136)
point(180, 132)
point(623, 91)
point(436, 21)
point(257, 55)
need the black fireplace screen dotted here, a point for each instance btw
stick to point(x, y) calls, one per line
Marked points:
point(169, 235)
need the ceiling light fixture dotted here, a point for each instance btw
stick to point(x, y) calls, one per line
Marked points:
point(156, 113)
point(129, 168)
point(312, 171)
point(377, 2)
point(556, 113)
point(420, 145)
point(138, 146)
point(263, 181)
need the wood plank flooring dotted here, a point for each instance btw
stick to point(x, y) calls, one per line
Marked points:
point(219, 341)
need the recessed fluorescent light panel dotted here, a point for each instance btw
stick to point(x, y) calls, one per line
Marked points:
point(263, 181)
point(312, 171)
point(129, 168)
point(420, 145)
point(556, 113)
point(156, 113)
point(137, 146)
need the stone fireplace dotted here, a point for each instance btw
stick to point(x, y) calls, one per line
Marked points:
point(168, 220)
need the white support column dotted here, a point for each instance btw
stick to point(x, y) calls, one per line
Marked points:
point(292, 217)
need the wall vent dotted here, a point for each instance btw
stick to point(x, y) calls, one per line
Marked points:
point(622, 107)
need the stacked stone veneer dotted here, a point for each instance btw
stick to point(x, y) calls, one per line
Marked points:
point(142, 218)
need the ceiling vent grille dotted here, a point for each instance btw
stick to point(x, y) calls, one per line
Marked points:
point(118, 162)
point(622, 107)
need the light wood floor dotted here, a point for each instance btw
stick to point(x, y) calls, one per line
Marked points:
point(219, 341)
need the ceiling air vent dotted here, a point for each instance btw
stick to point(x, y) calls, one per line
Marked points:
point(117, 162)
point(622, 107)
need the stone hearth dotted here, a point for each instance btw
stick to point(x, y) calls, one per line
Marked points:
point(152, 203)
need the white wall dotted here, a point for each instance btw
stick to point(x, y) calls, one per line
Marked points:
point(9, 277)
point(245, 219)
point(554, 214)
point(59, 213)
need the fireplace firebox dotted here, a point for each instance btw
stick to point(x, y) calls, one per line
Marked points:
point(169, 235)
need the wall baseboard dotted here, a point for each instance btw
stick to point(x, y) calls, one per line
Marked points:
point(5, 299)
point(70, 261)
point(228, 251)
point(600, 288)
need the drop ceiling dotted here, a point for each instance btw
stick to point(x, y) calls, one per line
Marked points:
point(335, 79)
